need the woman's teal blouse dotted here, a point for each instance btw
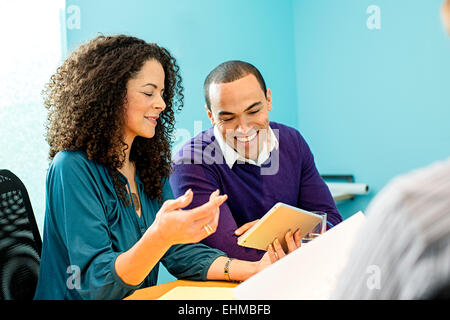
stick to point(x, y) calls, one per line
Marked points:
point(86, 227)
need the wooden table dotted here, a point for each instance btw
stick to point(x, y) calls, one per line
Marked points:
point(153, 293)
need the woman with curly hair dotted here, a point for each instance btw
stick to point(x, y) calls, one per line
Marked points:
point(110, 217)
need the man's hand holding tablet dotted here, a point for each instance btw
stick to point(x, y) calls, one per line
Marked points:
point(279, 231)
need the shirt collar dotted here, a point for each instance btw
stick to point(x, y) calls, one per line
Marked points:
point(231, 156)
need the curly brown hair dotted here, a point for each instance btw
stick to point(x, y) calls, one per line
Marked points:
point(85, 99)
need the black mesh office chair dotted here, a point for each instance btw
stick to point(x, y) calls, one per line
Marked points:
point(20, 241)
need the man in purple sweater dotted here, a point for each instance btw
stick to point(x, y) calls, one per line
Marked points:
point(255, 162)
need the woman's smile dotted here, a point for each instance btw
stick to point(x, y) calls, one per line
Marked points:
point(152, 119)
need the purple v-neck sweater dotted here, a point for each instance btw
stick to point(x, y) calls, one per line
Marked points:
point(289, 176)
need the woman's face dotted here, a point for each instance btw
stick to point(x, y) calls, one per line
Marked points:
point(144, 101)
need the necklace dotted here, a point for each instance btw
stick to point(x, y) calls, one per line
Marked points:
point(134, 196)
point(137, 203)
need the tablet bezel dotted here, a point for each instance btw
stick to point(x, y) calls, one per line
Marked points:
point(282, 217)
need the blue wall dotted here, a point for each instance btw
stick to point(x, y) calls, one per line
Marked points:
point(201, 34)
point(373, 103)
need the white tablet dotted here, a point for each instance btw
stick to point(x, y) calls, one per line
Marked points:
point(275, 223)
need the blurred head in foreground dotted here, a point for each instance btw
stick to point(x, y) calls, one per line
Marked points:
point(403, 251)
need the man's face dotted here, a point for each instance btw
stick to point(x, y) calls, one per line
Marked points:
point(240, 111)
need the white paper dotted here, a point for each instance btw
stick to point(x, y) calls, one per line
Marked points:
point(309, 272)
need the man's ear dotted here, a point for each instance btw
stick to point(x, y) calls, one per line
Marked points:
point(269, 99)
point(210, 115)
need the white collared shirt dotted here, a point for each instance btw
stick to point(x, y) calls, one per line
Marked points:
point(231, 155)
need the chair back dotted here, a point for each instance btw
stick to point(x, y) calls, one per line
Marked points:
point(20, 241)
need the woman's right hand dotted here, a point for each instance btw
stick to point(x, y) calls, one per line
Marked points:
point(176, 226)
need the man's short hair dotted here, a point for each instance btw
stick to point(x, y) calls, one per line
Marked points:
point(230, 71)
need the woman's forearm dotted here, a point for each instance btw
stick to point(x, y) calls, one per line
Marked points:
point(134, 265)
point(239, 270)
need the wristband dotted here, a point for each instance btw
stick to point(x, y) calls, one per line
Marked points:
point(226, 269)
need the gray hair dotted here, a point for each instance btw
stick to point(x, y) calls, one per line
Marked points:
point(406, 238)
